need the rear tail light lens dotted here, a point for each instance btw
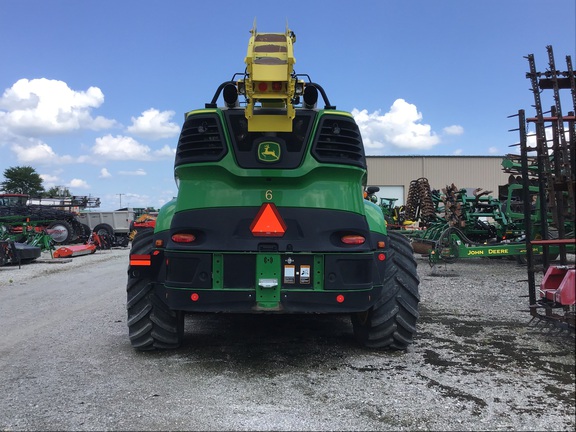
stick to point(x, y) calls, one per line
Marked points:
point(183, 238)
point(353, 239)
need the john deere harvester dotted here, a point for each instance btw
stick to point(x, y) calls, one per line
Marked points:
point(270, 216)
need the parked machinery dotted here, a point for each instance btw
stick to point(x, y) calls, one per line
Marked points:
point(533, 217)
point(471, 224)
point(145, 221)
point(56, 217)
point(12, 252)
point(270, 217)
point(395, 216)
point(420, 202)
point(551, 162)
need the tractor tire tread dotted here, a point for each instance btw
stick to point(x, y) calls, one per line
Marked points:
point(391, 322)
point(151, 324)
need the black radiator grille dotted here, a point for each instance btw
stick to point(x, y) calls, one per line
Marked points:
point(201, 140)
point(338, 140)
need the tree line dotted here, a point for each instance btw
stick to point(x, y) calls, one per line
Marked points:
point(25, 180)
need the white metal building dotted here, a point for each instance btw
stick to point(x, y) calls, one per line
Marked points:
point(393, 174)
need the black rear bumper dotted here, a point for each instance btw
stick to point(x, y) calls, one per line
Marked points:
point(270, 276)
point(244, 301)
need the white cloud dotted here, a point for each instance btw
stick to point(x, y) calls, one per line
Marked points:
point(453, 130)
point(399, 130)
point(42, 106)
point(78, 183)
point(104, 173)
point(120, 148)
point(458, 152)
point(165, 151)
point(493, 150)
point(138, 172)
point(49, 181)
point(153, 124)
point(33, 151)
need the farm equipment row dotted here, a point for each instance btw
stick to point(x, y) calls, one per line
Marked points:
point(27, 230)
point(533, 217)
point(65, 219)
point(94, 242)
point(62, 225)
point(24, 242)
point(458, 223)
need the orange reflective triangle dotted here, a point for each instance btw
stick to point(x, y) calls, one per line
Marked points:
point(268, 222)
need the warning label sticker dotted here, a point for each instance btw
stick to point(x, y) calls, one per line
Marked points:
point(289, 274)
point(305, 274)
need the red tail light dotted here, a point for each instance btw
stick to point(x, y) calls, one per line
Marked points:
point(183, 238)
point(352, 239)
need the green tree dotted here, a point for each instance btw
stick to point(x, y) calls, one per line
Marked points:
point(23, 180)
point(57, 191)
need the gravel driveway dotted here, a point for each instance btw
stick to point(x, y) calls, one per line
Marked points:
point(475, 363)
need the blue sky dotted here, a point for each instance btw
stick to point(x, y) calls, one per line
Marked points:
point(93, 93)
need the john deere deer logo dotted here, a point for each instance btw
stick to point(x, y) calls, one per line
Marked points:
point(269, 151)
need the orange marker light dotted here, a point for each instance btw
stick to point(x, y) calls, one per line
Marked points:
point(140, 260)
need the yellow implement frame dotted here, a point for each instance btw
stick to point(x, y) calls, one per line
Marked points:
point(269, 81)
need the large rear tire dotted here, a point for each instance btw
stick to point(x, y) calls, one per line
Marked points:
point(104, 229)
point(391, 322)
point(60, 231)
point(84, 232)
point(151, 324)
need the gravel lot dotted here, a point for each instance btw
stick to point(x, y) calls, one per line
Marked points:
point(476, 364)
point(45, 265)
